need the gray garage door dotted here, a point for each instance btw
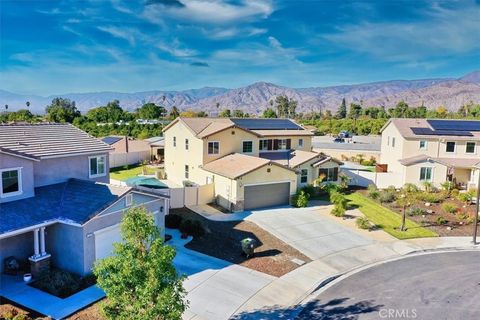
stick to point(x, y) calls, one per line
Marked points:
point(266, 195)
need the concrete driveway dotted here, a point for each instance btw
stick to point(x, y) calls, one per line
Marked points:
point(216, 288)
point(307, 230)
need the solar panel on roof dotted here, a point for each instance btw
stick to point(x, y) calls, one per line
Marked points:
point(430, 132)
point(267, 124)
point(459, 125)
point(111, 140)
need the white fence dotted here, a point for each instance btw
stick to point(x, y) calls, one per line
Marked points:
point(123, 159)
point(380, 179)
point(185, 196)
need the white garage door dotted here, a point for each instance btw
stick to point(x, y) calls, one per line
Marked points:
point(104, 240)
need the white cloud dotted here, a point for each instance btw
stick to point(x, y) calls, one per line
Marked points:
point(441, 32)
point(71, 30)
point(211, 12)
point(127, 34)
point(232, 32)
point(176, 49)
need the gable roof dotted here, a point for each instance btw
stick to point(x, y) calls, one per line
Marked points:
point(204, 127)
point(291, 159)
point(75, 201)
point(449, 162)
point(48, 140)
point(236, 165)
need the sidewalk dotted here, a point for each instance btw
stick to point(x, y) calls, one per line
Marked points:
point(289, 290)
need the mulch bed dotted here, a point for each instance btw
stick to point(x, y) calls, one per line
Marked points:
point(222, 240)
point(458, 227)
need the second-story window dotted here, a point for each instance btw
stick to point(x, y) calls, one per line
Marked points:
point(304, 176)
point(470, 148)
point(187, 172)
point(264, 143)
point(450, 146)
point(300, 143)
point(282, 144)
point(186, 144)
point(174, 141)
point(97, 167)
point(423, 145)
point(247, 146)
point(213, 147)
point(393, 142)
point(10, 182)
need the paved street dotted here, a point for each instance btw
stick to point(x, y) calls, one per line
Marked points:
point(430, 286)
point(308, 231)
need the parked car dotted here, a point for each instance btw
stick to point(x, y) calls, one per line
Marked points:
point(344, 134)
point(339, 140)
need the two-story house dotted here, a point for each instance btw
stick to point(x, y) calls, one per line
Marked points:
point(252, 163)
point(56, 205)
point(421, 150)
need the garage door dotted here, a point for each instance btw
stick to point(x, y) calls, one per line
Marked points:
point(266, 195)
point(104, 240)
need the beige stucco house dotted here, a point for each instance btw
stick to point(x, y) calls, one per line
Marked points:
point(252, 163)
point(417, 150)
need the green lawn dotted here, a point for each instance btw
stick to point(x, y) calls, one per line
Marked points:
point(122, 174)
point(388, 220)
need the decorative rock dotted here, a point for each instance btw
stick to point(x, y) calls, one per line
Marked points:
point(461, 223)
point(429, 211)
point(423, 216)
point(449, 228)
point(427, 204)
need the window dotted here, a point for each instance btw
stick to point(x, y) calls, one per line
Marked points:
point(282, 144)
point(174, 141)
point(186, 144)
point(11, 182)
point(423, 145)
point(304, 176)
point(186, 172)
point(330, 174)
point(97, 166)
point(426, 174)
point(393, 142)
point(263, 144)
point(213, 147)
point(247, 147)
point(128, 200)
point(300, 143)
point(388, 140)
point(470, 147)
point(450, 146)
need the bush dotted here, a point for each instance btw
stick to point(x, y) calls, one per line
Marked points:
point(372, 191)
point(173, 221)
point(410, 188)
point(447, 185)
point(386, 196)
point(430, 197)
point(300, 200)
point(338, 199)
point(13, 314)
point(331, 187)
point(363, 223)
point(428, 186)
point(192, 227)
point(454, 193)
point(465, 197)
point(415, 211)
point(441, 220)
point(338, 211)
point(62, 283)
point(449, 207)
point(309, 189)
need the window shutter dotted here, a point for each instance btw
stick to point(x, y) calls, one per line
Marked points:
point(289, 143)
point(275, 144)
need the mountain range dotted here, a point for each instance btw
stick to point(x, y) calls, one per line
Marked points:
point(254, 98)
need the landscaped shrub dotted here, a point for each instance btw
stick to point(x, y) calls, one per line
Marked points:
point(338, 211)
point(465, 197)
point(331, 187)
point(14, 315)
point(62, 283)
point(454, 193)
point(173, 221)
point(441, 220)
point(449, 207)
point(338, 199)
point(363, 223)
point(415, 211)
point(372, 191)
point(300, 199)
point(427, 186)
point(410, 188)
point(430, 197)
point(447, 186)
point(192, 227)
point(309, 189)
point(391, 189)
point(386, 196)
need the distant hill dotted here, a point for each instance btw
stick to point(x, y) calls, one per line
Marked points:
point(451, 93)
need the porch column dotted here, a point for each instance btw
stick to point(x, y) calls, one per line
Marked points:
point(36, 247)
point(42, 241)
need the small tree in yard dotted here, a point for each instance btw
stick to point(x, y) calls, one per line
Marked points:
point(405, 200)
point(140, 280)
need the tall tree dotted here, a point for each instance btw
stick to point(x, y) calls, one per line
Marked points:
point(151, 111)
point(225, 113)
point(237, 113)
point(62, 110)
point(269, 113)
point(354, 111)
point(140, 280)
point(27, 104)
point(342, 110)
point(174, 113)
point(285, 107)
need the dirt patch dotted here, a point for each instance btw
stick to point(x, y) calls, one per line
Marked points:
point(9, 309)
point(91, 312)
point(222, 240)
point(455, 225)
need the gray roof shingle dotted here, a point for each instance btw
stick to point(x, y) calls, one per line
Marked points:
point(75, 200)
point(43, 140)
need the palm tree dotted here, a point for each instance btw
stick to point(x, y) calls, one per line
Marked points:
point(6, 107)
point(27, 103)
point(174, 113)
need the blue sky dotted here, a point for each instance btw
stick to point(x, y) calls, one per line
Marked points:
point(52, 47)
